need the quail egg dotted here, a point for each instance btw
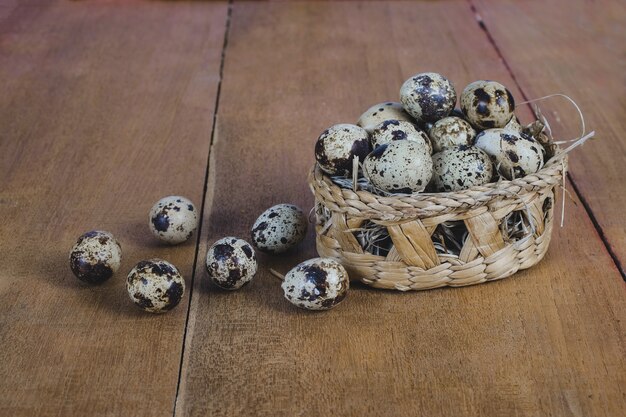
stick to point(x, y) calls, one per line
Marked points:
point(95, 257)
point(461, 167)
point(231, 263)
point(402, 166)
point(316, 284)
point(451, 131)
point(378, 113)
point(515, 125)
point(515, 154)
point(457, 113)
point(338, 145)
point(155, 285)
point(487, 104)
point(279, 228)
point(428, 96)
point(173, 219)
point(391, 130)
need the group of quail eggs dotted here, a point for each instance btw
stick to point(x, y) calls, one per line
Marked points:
point(420, 144)
point(426, 144)
point(157, 286)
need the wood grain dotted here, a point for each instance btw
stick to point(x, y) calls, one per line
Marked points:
point(104, 109)
point(576, 48)
point(549, 341)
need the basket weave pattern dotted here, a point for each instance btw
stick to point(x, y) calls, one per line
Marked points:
point(413, 262)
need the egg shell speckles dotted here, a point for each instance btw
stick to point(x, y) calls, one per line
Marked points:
point(155, 285)
point(378, 113)
point(487, 104)
point(279, 228)
point(461, 167)
point(95, 257)
point(392, 130)
point(338, 145)
point(231, 263)
point(449, 132)
point(514, 125)
point(173, 219)
point(399, 167)
point(316, 284)
point(514, 154)
point(428, 96)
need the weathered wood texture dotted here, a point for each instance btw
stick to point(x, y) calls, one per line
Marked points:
point(104, 108)
point(549, 341)
point(576, 48)
point(107, 107)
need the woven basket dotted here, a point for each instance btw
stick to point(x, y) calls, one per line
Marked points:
point(413, 262)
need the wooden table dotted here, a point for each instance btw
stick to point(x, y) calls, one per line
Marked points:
point(107, 106)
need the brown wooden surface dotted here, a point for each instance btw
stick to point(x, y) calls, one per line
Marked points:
point(107, 107)
point(577, 48)
point(531, 345)
point(103, 110)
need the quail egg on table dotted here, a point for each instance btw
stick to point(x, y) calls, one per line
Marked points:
point(402, 166)
point(279, 228)
point(337, 146)
point(95, 257)
point(378, 113)
point(428, 96)
point(155, 285)
point(514, 154)
point(451, 131)
point(391, 130)
point(316, 284)
point(461, 167)
point(487, 104)
point(173, 219)
point(231, 263)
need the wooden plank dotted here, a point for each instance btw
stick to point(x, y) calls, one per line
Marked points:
point(576, 48)
point(104, 109)
point(547, 342)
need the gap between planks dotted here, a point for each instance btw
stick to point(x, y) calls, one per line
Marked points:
point(202, 206)
point(586, 206)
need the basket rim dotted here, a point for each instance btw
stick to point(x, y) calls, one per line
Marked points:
point(362, 203)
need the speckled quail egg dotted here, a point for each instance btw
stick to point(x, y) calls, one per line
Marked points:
point(95, 257)
point(316, 284)
point(155, 285)
point(451, 131)
point(402, 166)
point(461, 167)
point(378, 113)
point(338, 145)
point(391, 130)
point(279, 228)
point(515, 125)
point(173, 219)
point(428, 96)
point(231, 263)
point(487, 104)
point(514, 154)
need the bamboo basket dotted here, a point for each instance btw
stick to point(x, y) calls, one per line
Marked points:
point(413, 262)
